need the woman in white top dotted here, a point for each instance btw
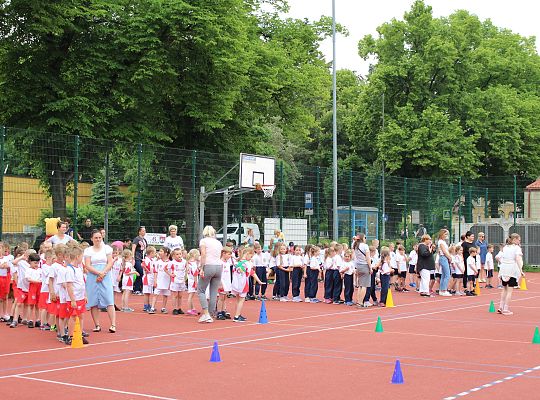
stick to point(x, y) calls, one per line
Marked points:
point(510, 270)
point(99, 285)
point(61, 236)
point(173, 241)
point(209, 271)
point(444, 262)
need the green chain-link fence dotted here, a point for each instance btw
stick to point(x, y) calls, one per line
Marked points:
point(124, 185)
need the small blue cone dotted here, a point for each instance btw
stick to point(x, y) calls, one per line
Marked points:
point(397, 377)
point(215, 354)
point(263, 318)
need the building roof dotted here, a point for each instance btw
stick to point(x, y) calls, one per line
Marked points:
point(534, 186)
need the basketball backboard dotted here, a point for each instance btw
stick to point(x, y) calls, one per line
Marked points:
point(256, 169)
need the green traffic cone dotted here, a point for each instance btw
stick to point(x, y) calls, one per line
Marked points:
point(492, 306)
point(379, 327)
point(536, 337)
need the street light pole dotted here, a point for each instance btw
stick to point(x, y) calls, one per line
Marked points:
point(334, 127)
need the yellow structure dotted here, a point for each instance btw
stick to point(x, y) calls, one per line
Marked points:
point(24, 199)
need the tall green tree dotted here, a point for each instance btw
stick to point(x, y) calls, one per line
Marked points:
point(461, 97)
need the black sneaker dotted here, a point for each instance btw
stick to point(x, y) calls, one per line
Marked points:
point(85, 334)
point(13, 324)
point(30, 324)
point(221, 316)
point(239, 319)
point(38, 324)
point(180, 312)
point(469, 294)
point(227, 315)
point(175, 312)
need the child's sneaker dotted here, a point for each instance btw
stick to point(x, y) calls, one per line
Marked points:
point(327, 301)
point(314, 301)
point(53, 328)
point(283, 299)
point(264, 298)
point(194, 312)
point(146, 308)
point(240, 319)
point(37, 324)
point(180, 312)
point(164, 311)
point(296, 299)
point(152, 310)
point(227, 315)
point(349, 303)
point(30, 324)
point(307, 300)
point(175, 312)
point(220, 315)
point(367, 304)
point(45, 327)
point(13, 324)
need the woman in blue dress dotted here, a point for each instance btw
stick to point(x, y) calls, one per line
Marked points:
point(99, 284)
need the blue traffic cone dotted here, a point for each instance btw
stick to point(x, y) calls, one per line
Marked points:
point(397, 377)
point(263, 318)
point(215, 354)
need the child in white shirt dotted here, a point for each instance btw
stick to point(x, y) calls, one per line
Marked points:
point(472, 271)
point(490, 266)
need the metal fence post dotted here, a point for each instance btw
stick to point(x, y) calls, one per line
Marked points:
point(451, 190)
point(351, 222)
point(195, 234)
point(139, 187)
point(240, 206)
point(107, 188)
point(459, 206)
point(318, 202)
point(380, 215)
point(515, 201)
point(405, 214)
point(2, 168)
point(76, 185)
point(281, 195)
point(486, 208)
point(430, 216)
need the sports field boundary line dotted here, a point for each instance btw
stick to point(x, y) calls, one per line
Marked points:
point(225, 344)
point(149, 396)
point(493, 383)
point(354, 311)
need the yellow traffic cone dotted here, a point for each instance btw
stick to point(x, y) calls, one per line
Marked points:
point(523, 284)
point(77, 340)
point(477, 288)
point(389, 299)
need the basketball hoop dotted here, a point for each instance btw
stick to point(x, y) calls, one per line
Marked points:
point(268, 190)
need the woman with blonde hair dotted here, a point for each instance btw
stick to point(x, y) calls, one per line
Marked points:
point(510, 270)
point(209, 272)
point(444, 262)
point(425, 264)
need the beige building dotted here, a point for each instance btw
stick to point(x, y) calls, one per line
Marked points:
point(532, 200)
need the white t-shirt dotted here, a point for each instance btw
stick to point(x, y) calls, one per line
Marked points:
point(329, 263)
point(385, 268)
point(127, 276)
point(60, 280)
point(266, 258)
point(283, 260)
point(471, 265)
point(459, 264)
point(258, 260)
point(508, 261)
point(22, 283)
point(401, 261)
point(98, 256)
point(8, 261)
point(179, 269)
point(314, 263)
point(174, 243)
point(75, 275)
point(337, 262)
point(213, 250)
point(56, 239)
point(441, 244)
point(45, 278)
point(413, 257)
point(489, 261)
point(347, 267)
point(32, 275)
point(163, 280)
point(297, 261)
point(393, 262)
point(53, 272)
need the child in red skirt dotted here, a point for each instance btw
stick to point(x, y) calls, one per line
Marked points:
point(33, 277)
point(76, 291)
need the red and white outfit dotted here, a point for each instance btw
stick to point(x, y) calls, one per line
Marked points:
point(163, 280)
point(21, 294)
point(5, 275)
point(127, 277)
point(63, 311)
point(75, 276)
point(240, 280)
point(43, 302)
point(193, 274)
point(179, 269)
point(116, 272)
point(34, 288)
point(53, 306)
point(148, 266)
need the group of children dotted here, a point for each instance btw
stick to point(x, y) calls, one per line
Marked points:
point(48, 288)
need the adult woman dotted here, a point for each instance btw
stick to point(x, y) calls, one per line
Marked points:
point(510, 270)
point(99, 285)
point(61, 236)
point(466, 246)
point(138, 248)
point(209, 271)
point(444, 262)
point(250, 238)
point(278, 237)
point(173, 241)
point(362, 264)
point(425, 264)
point(482, 245)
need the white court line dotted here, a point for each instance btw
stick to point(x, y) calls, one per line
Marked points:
point(237, 326)
point(490, 384)
point(235, 343)
point(150, 396)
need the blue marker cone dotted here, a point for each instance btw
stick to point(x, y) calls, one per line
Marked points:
point(263, 318)
point(397, 377)
point(215, 354)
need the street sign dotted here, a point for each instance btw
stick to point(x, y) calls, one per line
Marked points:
point(308, 200)
point(415, 217)
point(308, 212)
point(447, 215)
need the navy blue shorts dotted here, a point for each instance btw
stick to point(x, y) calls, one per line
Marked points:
point(471, 278)
point(457, 276)
point(412, 269)
point(490, 273)
point(403, 274)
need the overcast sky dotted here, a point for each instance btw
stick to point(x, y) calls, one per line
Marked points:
point(363, 17)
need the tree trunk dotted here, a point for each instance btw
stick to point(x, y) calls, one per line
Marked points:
point(190, 209)
point(58, 183)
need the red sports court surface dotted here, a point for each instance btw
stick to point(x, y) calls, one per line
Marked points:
point(449, 348)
